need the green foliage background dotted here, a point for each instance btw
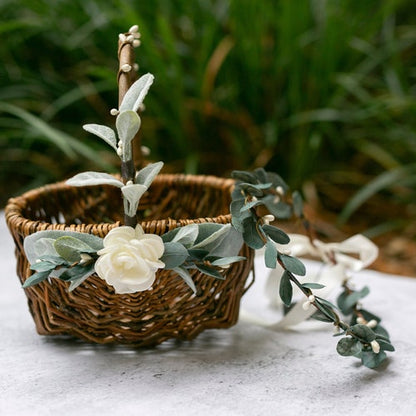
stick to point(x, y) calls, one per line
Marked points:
point(316, 90)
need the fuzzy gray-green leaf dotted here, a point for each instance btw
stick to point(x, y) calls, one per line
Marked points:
point(182, 272)
point(187, 235)
point(94, 178)
point(36, 278)
point(208, 240)
point(146, 175)
point(136, 93)
point(103, 132)
point(40, 244)
point(127, 124)
point(227, 260)
point(133, 193)
point(70, 248)
point(174, 255)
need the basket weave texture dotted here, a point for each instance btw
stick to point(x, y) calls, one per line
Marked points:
point(93, 311)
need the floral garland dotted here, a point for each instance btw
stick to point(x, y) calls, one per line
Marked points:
point(128, 259)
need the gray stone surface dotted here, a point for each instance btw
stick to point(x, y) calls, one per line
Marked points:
point(246, 370)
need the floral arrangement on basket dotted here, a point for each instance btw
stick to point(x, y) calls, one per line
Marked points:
point(123, 261)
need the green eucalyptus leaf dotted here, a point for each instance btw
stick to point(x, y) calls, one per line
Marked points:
point(285, 289)
point(326, 302)
point(293, 265)
point(276, 234)
point(342, 305)
point(70, 248)
point(319, 316)
point(279, 209)
point(297, 204)
point(36, 278)
point(270, 255)
point(237, 194)
point(175, 255)
point(348, 346)
point(135, 95)
point(244, 176)
point(146, 175)
point(251, 234)
point(94, 178)
point(261, 175)
point(353, 298)
point(103, 132)
point(385, 345)
point(371, 359)
point(368, 316)
point(363, 332)
point(182, 272)
point(277, 180)
point(237, 217)
point(253, 190)
point(251, 204)
point(381, 331)
point(325, 309)
point(312, 286)
point(210, 271)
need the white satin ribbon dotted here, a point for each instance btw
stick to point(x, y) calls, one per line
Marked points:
point(339, 260)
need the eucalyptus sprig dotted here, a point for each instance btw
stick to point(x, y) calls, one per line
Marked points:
point(258, 198)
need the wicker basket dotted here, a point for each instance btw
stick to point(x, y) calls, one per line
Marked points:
point(93, 311)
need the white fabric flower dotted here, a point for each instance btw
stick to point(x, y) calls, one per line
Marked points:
point(130, 259)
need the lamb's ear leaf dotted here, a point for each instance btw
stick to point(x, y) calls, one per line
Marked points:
point(36, 278)
point(146, 175)
point(94, 178)
point(103, 132)
point(187, 235)
point(128, 124)
point(182, 272)
point(70, 248)
point(175, 255)
point(133, 193)
point(136, 93)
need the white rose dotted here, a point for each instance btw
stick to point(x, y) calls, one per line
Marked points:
point(130, 259)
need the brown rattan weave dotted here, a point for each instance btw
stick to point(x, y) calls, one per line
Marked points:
point(93, 311)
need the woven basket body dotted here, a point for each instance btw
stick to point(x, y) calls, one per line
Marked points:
point(93, 311)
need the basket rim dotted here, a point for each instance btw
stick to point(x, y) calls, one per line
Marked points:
point(17, 221)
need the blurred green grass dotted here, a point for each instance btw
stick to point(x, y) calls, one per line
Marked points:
point(319, 91)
